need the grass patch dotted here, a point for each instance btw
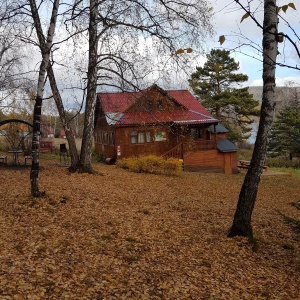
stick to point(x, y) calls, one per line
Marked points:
point(295, 173)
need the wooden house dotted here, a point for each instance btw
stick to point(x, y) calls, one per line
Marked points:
point(165, 123)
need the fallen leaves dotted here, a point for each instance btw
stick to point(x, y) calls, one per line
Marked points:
point(141, 236)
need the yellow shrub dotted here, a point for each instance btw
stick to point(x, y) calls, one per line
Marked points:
point(151, 164)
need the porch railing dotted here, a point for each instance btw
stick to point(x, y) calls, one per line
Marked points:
point(176, 152)
point(203, 145)
point(182, 148)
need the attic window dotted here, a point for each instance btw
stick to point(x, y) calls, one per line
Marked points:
point(150, 104)
point(159, 104)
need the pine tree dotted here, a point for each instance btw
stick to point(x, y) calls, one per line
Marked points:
point(285, 133)
point(216, 84)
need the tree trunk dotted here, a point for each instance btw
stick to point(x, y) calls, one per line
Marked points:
point(34, 173)
point(85, 164)
point(242, 218)
point(45, 48)
point(60, 108)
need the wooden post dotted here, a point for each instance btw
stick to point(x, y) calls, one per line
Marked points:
point(215, 135)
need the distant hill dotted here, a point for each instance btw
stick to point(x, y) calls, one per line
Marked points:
point(284, 96)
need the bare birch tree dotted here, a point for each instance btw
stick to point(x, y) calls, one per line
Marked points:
point(242, 218)
point(34, 173)
point(88, 130)
point(271, 37)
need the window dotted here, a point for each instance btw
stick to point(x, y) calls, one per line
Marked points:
point(140, 137)
point(105, 138)
point(159, 104)
point(150, 104)
point(148, 137)
point(133, 137)
point(196, 133)
point(110, 138)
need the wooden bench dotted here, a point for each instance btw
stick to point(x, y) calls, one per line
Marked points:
point(3, 159)
point(245, 164)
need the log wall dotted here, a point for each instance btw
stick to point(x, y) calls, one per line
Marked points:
point(211, 161)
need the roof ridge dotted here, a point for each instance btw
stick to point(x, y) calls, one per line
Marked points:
point(199, 113)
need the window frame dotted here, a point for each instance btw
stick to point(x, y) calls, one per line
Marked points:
point(141, 137)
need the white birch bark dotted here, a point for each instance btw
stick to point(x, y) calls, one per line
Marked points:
point(45, 49)
point(242, 218)
point(88, 130)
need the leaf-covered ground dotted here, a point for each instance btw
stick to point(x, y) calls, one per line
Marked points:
point(123, 235)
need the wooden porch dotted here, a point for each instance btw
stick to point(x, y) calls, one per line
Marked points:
point(183, 148)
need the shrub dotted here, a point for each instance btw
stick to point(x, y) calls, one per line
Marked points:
point(151, 164)
point(100, 158)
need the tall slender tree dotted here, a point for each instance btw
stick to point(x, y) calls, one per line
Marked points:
point(34, 173)
point(88, 130)
point(247, 197)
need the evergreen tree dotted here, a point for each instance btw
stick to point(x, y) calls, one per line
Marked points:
point(285, 133)
point(216, 84)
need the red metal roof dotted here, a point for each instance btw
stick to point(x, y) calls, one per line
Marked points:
point(116, 104)
point(185, 98)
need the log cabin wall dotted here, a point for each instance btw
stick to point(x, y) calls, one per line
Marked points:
point(119, 142)
point(155, 140)
point(210, 161)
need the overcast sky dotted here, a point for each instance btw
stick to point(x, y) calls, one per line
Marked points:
point(227, 22)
